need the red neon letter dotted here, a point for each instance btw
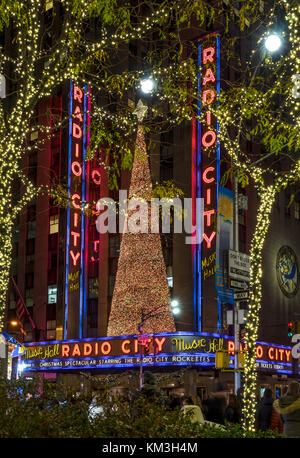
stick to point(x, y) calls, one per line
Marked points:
point(288, 355)
point(75, 196)
point(271, 356)
point(77, 113)
point(205, 179)
point(96, 177)
point(76, 350)
point(259, 351)
point(231, 346)
point(74, 258)
point(87, 349)
point(96, 244)
point(136, 346)
point(78, 94)
point(76, 131)
point(77, 150)
point(76, 168)
point(209, 92)
point(209, 76)
point(65, 349)
point(205, 142)
point(281, 350)
point(75, 235)
point(208, 213)
point(75, 221)
point(160, 342)
point(208, 118)
point(208, 54)
point(208, 196)
point(106, 348)
point(125, 350)
point(209, 240)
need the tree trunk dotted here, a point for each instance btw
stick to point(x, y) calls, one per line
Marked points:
point(6, 227)
point(266, 201)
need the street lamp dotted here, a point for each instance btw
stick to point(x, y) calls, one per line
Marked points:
point(141, 338)
point(175, 307)
point(273, 42)
point(147, 85)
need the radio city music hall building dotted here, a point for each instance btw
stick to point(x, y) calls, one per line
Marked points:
point(65, 270)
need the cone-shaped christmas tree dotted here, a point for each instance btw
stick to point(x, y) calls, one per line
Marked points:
point(141, 283)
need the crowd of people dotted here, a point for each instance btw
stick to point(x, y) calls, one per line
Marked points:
point(281, 414)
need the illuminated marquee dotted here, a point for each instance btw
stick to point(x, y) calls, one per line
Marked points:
point(206, 169)
point(164, 349)
point(270, 353)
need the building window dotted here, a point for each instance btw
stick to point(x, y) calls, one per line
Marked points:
point(30, 263)
point(12, 300)
point(29, 297)
point(30, 246)
point(54, 222)
point(31, 230)
point(111, 284)
point(92, 313)
point(287, 203)
point(52, 294)
point(51, 330)
point(114, 246)
point(14, 266)
point(296, 210)
point(28, 337)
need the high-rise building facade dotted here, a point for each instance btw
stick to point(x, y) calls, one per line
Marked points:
point(65, 269)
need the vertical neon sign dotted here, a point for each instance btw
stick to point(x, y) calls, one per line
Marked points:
point(205, 180)
point(74, 285)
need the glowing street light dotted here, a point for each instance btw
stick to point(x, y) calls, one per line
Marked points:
point(147, 85)
point(175, 307)
point(273, 42)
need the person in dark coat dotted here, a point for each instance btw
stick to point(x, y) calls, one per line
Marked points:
point(214, 409)
point(232, 412)
point(264, 410)
point(288, 407)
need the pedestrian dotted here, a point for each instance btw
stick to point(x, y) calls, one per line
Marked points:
point(174, 402)
point(215, 408)
point(194, 412)
point(232, 412)
point(264, 411)
point(275, 422)
point(240, 396)
point(288, 407)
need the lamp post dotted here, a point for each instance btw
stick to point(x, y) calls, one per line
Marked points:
point(272, 43)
